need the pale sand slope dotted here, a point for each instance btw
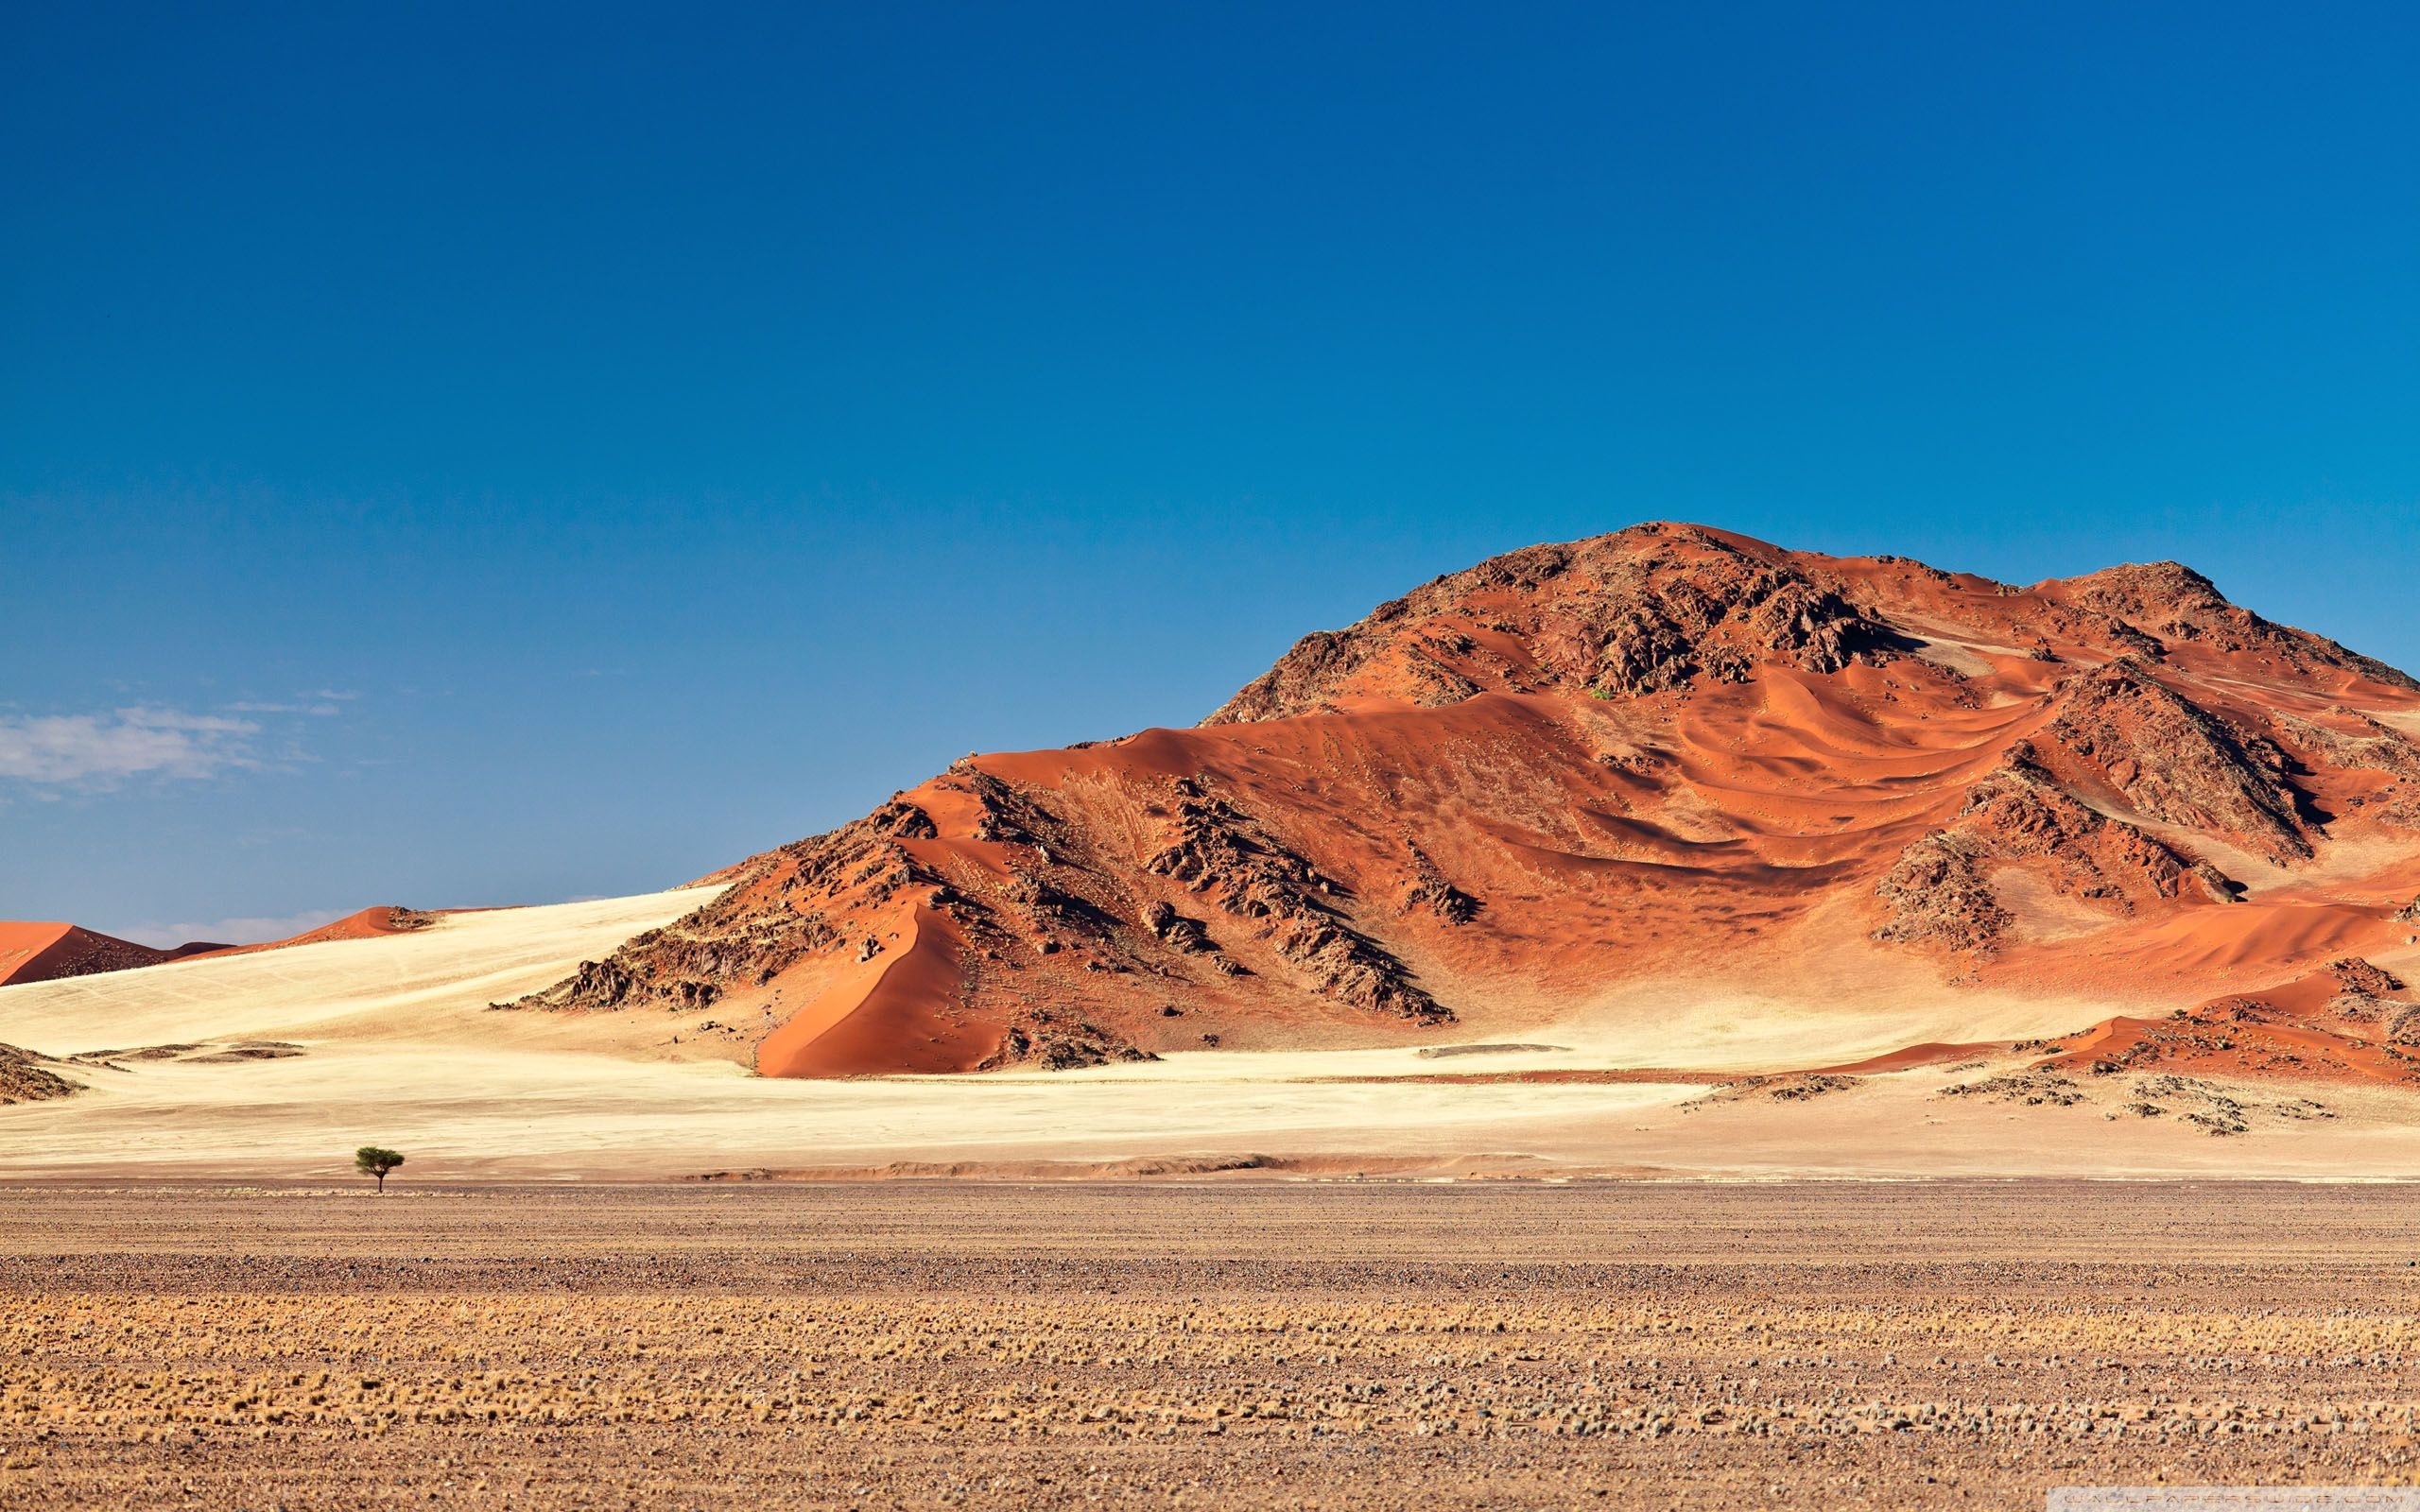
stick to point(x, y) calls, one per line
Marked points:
point(395, 984)
point(400, 1047)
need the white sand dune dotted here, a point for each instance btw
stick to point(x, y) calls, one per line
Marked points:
point(394, 984)
point(399, 1046)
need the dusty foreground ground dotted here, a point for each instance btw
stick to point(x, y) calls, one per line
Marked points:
point(1494, 1344)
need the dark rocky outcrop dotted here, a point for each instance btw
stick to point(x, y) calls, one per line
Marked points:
point(26, 1077)
point(1215, 851)
point(2174, 604)
point(1056, 1041)
point(1937, 895)
point(2019, 812)
point(1430, 890)
point(1177, 931)
point(1650, 610)
point(2173, 761)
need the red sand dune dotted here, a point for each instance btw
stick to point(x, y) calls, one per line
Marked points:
point(2349, 1021)
point(42, 952)
point(1670, 756)
point(35, 952)
point(367, 924)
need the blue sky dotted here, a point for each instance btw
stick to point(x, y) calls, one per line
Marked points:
point(456, 455)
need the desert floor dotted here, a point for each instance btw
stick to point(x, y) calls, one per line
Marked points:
point(1487, 1344)
point(277, 1065)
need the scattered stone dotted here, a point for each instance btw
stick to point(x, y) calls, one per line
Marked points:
point(1060, 1041)
point(2033, 1088)
point(25, 1076)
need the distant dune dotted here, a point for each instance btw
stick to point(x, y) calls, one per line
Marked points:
point(34, 951)
point(367, 924)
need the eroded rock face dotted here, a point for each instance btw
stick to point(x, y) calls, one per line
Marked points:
point(26, 1077)
point(2353, 740)
point(2170, 604)
point(2172, 761)
point(1937, 895)
point(1217, 851)
point(1431, 891)
point(2024, 815)
point(1648, 611)
point(1187, 935)
point(1047, 1040)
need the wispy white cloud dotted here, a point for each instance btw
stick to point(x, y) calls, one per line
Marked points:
point(101, 749)
point(256, 930)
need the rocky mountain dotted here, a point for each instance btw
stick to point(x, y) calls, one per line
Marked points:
point(1669, 756)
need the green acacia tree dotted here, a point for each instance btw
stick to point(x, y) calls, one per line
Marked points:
point(371, 1161)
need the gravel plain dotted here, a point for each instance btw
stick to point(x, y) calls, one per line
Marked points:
point(1250, 1342)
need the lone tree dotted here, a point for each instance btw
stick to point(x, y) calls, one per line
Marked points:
point(371, 1161)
